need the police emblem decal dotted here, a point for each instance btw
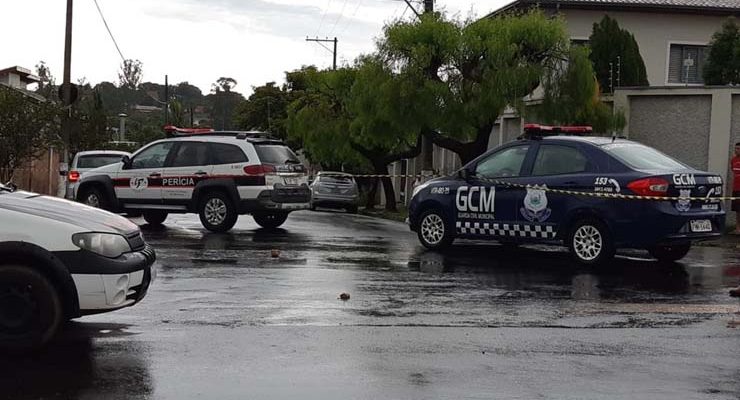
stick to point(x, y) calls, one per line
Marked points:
point(684, 203)
point(535, 205)
point(138, 183)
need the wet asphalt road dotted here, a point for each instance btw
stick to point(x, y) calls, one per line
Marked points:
point(225, 320)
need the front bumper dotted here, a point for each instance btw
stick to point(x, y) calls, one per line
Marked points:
point(105, 284)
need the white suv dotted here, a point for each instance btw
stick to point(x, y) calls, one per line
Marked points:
point(219, 175)
point(60, 260)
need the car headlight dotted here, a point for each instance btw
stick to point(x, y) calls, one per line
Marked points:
point(105, 244)
point(419, 188)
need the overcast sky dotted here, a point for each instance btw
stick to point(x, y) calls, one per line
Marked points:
point(253, 41)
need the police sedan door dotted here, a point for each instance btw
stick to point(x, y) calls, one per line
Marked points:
point(486, 206)
point(563, 167)
point(140, 181)
point(189, 164)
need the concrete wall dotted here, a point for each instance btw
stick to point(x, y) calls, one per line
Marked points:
point(675, 125)
point(654, 33)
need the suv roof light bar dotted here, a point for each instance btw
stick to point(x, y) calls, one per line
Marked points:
point(173, 131)
point(537, 130)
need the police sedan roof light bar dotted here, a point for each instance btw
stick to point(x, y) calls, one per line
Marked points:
point(538, 131)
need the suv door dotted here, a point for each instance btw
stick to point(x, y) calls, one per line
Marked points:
point(140, 182)
point(486, 206)
point(557, 166)
point(190, 163)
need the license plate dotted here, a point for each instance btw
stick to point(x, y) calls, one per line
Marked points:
point(701, 225)
point(291, 181)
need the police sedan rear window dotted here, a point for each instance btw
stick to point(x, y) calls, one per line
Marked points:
point(642, 157)
point(95, 161)
point(276, 154)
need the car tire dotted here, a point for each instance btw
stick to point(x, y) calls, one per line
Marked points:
point(30, 309)
point(217, 212)
point(93, 197)
point(590, 242)
point(435, 231)
point(670, 253)
point(270, 220)
point(155, 218)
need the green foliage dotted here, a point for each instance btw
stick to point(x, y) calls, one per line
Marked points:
point(265, 110)
point(454, 78)
point(130, 74)
point(89, 123)
point(611, 44)
point(723, 63)
point(27, 128)
point(47, 83)
point(572, 96)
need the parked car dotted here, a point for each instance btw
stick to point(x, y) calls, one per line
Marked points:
point(60, 260)
point(218, 175)
point(334, 189)
point(506, 194)
point(85, 161)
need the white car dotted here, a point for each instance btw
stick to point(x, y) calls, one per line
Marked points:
point(87, 160)
point(60, 260)
point(218, 175)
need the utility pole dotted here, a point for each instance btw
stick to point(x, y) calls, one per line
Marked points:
point(166, 100)
point(67, 84)
point(427, 146)
point(327, 40)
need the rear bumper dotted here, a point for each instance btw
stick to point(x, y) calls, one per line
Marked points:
point(660, 227)
point(319, 198)
point(279, 199)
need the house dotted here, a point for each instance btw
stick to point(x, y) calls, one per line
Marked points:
point(676, 114)
point(42, 174)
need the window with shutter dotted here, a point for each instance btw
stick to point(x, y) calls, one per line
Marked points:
point(686, 64)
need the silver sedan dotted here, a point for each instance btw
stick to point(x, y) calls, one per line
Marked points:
point(334, 189)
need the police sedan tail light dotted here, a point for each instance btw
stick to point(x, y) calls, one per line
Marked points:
point(259, 170)
point(649, 187)
point(104, 244)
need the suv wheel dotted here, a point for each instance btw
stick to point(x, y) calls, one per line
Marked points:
point(670, 253)
point(217, 212)
point(590, 242)
point(155, 217)
point(270, 220)
point(30, 309)
point(434, 231)
point(94, 198)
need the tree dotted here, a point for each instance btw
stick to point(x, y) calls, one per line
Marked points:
point(223, 84)
point(47, 82)
point(27, 127)
point(89, 123)
point(455, 78)
point(615, 54)
point(572, 96)
point(328, 121)
point(723, 63)
point(223, 102)
point(131, 74)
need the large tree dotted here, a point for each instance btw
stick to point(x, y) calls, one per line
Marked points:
point(328, 120)
point(572, 96)
point(265, 110)
point(131, 74)
point(456, 78)
point(723, 62)
point(27, 127)
point(616, 56)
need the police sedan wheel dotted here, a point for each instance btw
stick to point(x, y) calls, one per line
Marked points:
point(433, 229)
point(587, 242)
point(215, 211)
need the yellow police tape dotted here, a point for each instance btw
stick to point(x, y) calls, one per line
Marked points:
point(561, 191)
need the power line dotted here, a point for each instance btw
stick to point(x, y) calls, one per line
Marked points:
point(349, 22)
point(339, 18)
point(323, 17)
point(108, 29)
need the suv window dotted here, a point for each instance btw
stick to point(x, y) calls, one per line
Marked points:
point(227, 154)
point(190, 154)
point(559, 160)
point(505, 163)
point(152, 157)
point(100, 160)
point(275, 154)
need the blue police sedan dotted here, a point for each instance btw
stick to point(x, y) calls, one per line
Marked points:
point(553, 186)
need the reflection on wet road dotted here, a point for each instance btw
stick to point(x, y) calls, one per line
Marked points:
point(225, 319)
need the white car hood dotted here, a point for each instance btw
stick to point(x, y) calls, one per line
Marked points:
point(88, 218)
